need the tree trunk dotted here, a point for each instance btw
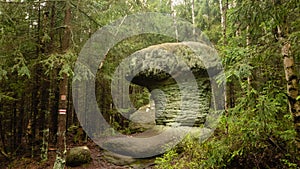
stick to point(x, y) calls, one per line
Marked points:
point(54, 96)
point(249, 78)
point(173, 11)
point(15, 118)
point(63, 101)
point(70, 114)
point(36, 87)
point(291, 79)
point(193, 18)
point(43, 127)
point(223, 11)
point(21, 120)
point(292, 88)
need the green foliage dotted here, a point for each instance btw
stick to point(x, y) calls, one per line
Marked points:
point(3, 73)
point(289, 164)
point(64, 62)
point(59, 163)
point(167, 161)
point(162, 6)
point(256, 135)
point(5, 97)
point(45, 144)
point(141, 97)
point(21, 67)
point(207, 16)
point(261, 130)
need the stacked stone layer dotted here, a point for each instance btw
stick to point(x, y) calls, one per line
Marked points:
point(168, 71)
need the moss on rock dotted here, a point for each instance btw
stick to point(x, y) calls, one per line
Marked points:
point(166, 71)
point(78, 156)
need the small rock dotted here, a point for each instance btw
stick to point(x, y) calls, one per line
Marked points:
point(78, 156)
point(143, 118)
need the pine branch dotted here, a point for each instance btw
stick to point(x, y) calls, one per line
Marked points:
point(84, 13)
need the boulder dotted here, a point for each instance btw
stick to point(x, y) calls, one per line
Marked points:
point(143, 118)
point(78, 156)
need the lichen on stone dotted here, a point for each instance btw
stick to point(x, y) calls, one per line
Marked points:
point(167, 67)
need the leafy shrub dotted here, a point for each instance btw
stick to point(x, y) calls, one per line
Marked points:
point(260, 135)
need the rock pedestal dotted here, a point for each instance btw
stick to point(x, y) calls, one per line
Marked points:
point(178, 82)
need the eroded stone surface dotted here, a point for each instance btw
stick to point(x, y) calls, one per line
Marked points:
point(151, 143)
point(167, 70)
point(122, 160)
point(143, 118)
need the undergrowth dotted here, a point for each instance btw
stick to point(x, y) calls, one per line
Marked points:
point(260, 135)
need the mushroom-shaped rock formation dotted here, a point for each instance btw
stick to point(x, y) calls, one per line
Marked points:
point(177, 75)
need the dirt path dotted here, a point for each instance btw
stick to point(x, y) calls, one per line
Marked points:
point(97, 162)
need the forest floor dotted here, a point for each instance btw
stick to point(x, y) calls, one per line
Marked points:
point(98, 162)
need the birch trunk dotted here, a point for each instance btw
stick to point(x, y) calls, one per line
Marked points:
point(193, 18)
point(174, 19)
point(223, 12)
point(292, 88)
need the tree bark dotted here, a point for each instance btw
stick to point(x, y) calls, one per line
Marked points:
point(223, 12)
point(54, 90)
point(54, 96)
point(21, 119)
point(36, 87)
point(193, 18)
point(290, 77)
point(63, 100)
point(173, 11)
point(292, 88)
